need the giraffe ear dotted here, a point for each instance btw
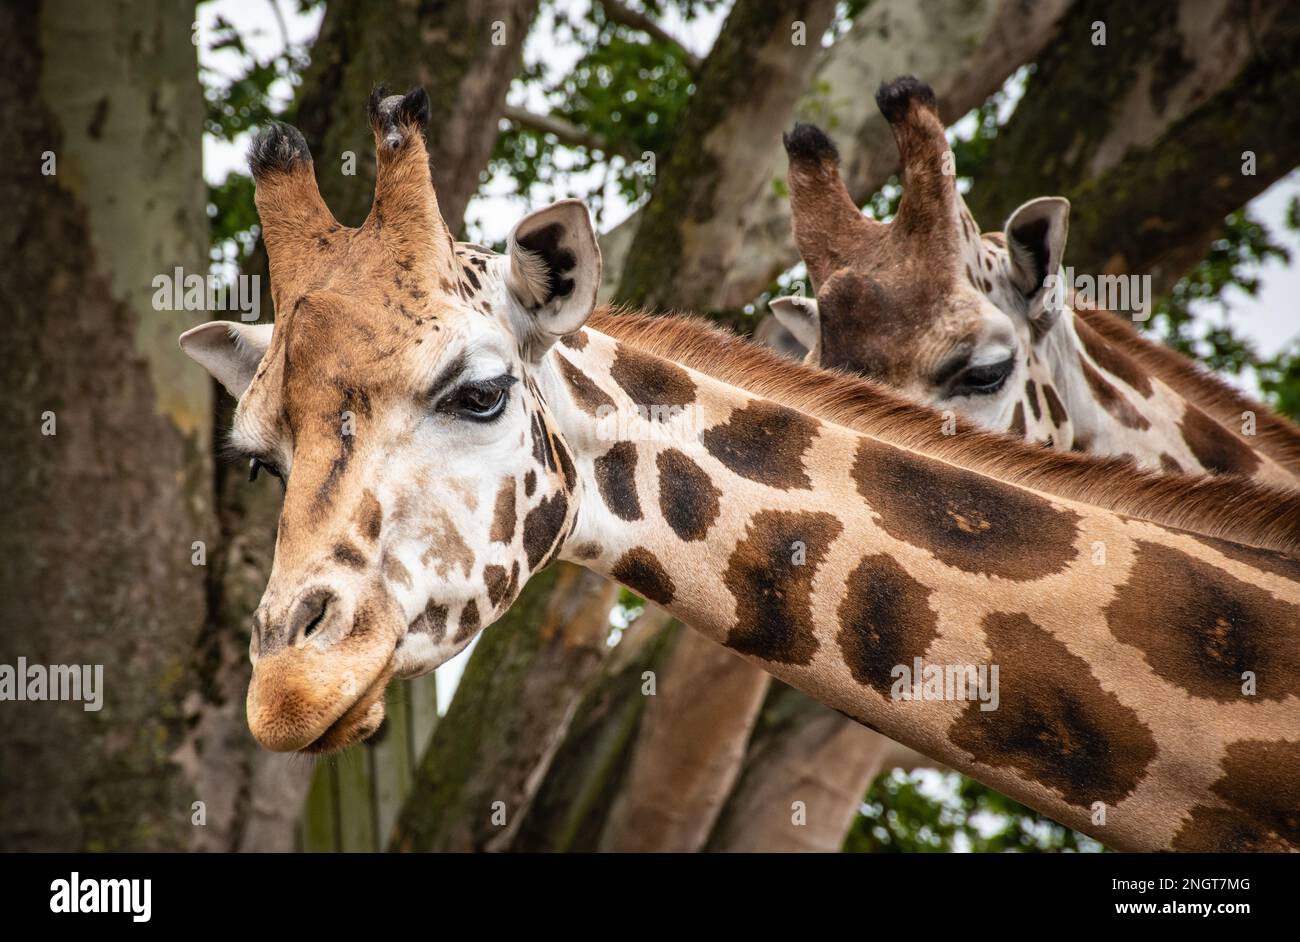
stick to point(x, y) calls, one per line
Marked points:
point(554, 270)
point(229, 350)
point(800, 316)
point(1036, 234)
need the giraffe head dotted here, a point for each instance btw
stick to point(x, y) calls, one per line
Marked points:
point(923, 303)
point(393, 397)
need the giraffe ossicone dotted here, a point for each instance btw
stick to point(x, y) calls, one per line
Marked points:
point(476, 455)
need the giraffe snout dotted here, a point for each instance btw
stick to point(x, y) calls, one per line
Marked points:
point(320, 665)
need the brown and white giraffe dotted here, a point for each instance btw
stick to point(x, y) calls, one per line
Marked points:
point(445, 426)
point(971, 323)
point(899, 330)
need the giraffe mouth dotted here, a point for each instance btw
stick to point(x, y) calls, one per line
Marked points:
point(358, 723)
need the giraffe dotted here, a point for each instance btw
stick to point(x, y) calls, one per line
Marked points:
point(975, 324)
point(446, 421)
point(978, 310)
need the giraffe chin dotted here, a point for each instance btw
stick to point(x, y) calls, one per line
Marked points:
point(361, 721)
point(296, 707)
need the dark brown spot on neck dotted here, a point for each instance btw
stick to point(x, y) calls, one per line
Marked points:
point(885, 620)
point(652, 384)
point(576, 340)
point(495, 579)
point(616, 480)
point(770, 575)
point(1215, 447)
point(586, 393)
point(1111, 360)
point(687, 498)
point(1031, 396)
point(1054, 722)
point(542, 527)
point(764, 442)
point(1261, 786)
point(640, 570)
point(432, 621)
point(1055, 408)
point(469, 622)
point(1017, 427)
point(1201, 629)
point(1111, 399)
point(968, 521)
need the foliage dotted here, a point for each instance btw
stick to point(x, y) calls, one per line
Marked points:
point(626, 91)
point(900, 814)
point(1233, 262)
point(237, 103)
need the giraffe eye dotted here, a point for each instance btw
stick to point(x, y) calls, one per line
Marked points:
point(982, 380)
point(479, 402)
point(257, 464)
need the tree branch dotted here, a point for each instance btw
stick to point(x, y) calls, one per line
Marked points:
point(566, 131)
point(634, 19)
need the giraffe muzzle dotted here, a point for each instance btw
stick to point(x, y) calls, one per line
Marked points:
point(324, 689)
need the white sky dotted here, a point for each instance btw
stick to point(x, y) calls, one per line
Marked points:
point(1271, 320)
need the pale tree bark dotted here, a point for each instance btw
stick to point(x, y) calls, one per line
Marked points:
point(719, 160)
point(464, 54)
point(96, 555)
point(964, 50)
point(573, 800)
point(688, 751)
point(802, 782)
point(1150, 148)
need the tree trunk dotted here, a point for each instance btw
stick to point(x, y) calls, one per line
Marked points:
point(688, 751)
point(104, 504)
point(721, 156)
point(573, 800)
point(1172, 99)
point(805, 774)
point(449, 49)
point(1182, 95)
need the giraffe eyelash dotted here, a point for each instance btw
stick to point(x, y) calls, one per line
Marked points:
point(480, 401)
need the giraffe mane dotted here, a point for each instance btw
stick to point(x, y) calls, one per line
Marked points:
point(1276, 436)
point(1231, 508)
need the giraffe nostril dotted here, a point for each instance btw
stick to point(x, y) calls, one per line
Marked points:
point(310, 614)
point(315, 622)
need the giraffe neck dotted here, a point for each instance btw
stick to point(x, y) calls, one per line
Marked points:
point(1086, 394)
point(839, 561)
